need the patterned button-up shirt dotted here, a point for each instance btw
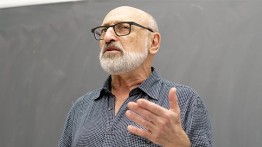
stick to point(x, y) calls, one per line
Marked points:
point(91, 122)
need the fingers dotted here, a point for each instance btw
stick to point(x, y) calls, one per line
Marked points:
point(155, 123)
point(173, 101)
point(141, 115)
point(156, 109)
point(139, 132)
point(150, 106)
point(146, 128)
point(148, 125)
point(148, 114)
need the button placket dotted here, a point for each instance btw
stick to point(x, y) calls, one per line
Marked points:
point(110, 116)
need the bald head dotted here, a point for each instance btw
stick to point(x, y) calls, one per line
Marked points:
point(127, 13)
point(125, 48)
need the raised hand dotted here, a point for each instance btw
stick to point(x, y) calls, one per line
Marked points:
point(161, 126)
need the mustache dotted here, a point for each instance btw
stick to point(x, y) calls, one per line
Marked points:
point(112, 46)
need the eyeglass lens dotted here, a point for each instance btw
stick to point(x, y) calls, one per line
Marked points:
point(120, 29)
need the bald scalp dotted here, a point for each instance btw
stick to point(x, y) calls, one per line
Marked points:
point(127, 13)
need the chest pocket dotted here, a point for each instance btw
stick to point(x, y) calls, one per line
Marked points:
point(137, 141)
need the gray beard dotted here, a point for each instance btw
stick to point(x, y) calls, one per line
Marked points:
point(123, 63)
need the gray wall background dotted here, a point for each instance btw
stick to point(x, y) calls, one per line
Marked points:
point(49, 58)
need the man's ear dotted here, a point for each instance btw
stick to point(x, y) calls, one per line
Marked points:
point(155, 43)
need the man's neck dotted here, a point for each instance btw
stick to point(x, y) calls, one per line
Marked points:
point(128, 81)
point(122, 84)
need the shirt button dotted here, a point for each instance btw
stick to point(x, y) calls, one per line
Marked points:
point(110, 108)
point(109, 131)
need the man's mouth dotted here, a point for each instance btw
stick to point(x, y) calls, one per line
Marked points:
point(109, 49)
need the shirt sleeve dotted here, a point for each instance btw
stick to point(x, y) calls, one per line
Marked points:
point(79, 110)
point(199, 129)
point(66, 138)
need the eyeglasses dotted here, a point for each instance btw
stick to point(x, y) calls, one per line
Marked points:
point(120, 29)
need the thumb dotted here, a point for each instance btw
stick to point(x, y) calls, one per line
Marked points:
point(173, 101)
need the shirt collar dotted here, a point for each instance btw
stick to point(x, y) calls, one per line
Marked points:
point(151, 86)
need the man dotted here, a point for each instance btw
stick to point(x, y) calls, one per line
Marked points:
point(135, 107)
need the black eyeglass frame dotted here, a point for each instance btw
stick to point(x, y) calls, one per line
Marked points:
point(128, 22)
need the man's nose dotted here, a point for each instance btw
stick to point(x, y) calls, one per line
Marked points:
point(110, 35)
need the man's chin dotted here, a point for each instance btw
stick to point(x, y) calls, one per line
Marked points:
point(114, 72)
point(111, 54)
point(112, 69)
